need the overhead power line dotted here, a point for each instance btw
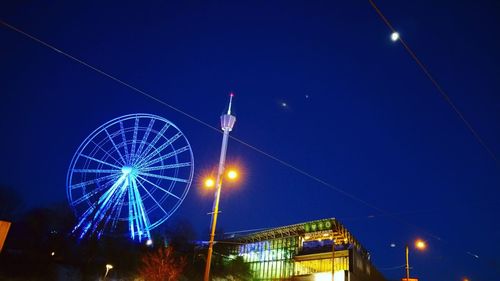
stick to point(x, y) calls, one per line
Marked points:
point(436, 84)
point(137, 90)
point(282, 162)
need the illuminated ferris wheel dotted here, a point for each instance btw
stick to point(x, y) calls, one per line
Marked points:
point(129, 176)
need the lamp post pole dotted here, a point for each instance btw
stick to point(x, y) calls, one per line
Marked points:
point(227, 122)
point(108, 268)
point(419, 245)
point(407, 265)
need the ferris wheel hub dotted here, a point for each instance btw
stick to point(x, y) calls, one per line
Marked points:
point(127, 170)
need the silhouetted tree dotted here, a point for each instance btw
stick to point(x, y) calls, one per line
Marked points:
point(37, 241)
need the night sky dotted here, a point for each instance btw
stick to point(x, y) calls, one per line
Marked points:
point(360, 114)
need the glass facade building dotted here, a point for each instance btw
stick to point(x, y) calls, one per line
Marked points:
point(315, 250)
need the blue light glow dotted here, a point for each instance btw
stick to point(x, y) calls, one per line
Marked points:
point(123, 176)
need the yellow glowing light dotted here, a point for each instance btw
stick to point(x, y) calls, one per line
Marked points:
point(232, 174)
point(53, 253)
point(327, 276)
point(109, 266)
point(420, 244)
point(209, 183)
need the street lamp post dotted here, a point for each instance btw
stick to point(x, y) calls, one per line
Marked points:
point(227, 123)
point(108, 268)
point(419, 244)
point(407, 264)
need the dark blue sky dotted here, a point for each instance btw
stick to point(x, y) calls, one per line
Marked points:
point(373, 124)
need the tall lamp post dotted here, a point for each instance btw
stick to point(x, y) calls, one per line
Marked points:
point(407, 264)
point(108, 268)
point(227, 122)
point(419, 244)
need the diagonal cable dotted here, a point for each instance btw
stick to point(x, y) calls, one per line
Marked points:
point(284, 163)
point(440, 89)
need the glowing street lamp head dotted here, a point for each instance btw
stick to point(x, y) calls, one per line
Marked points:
point(232, 174)
point(209, 183)
point(109, 266)
point(420, 244)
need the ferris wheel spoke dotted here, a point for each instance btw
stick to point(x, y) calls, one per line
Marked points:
point(134, 215)
point(85, 214)
point(134, 139)
point(124, 141)
point(155, 140)
point(145, 219)
point(116, 208)
point(107, 171)
point(82, 184)
point(160, 188)
point(145, 137)
point(162, 147)
point(100, 205)
point(105, 197)
point(107, 203)
point(106, 152)
point(165, 167)
point(115, 146)
point(152, 197)
point(89, 195)
point(166, 156)
point(131, 214)
point(100, 161)
point(163, 177)
point(119, 211)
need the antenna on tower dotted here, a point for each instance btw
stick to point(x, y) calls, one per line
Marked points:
point(231, 95)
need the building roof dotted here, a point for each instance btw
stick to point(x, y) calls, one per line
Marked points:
point(340, 234)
